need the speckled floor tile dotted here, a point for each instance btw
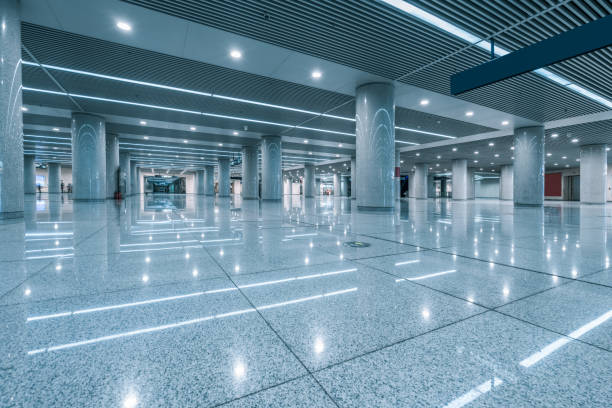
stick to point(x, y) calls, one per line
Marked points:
point(203, 348)
point(484, 283)
point(569, 307)
point(303, 392)
point(344, 310)
point(93, 274)
point(569, 264)
point(602, 278)
point(479, 361)
point(134, 303)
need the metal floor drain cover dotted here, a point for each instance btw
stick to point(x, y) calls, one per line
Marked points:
point(356, 244)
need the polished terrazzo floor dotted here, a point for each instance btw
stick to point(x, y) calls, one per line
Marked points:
point(190, 301)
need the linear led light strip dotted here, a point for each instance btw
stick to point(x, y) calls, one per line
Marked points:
point(186, 322)
point(215, 96)
point(486, 45)
point(474, 393)
point(185, 296)
point(46, 142)
point(168, 108)
point(431, 275)
point(190, 91)
point(49, 137)
point(556, 345)
point(178, 148)
point(485, 387)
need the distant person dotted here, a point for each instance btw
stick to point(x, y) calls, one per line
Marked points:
point(62, 186)
point(39, 188)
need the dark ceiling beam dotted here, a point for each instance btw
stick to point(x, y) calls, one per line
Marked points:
point(573, 43)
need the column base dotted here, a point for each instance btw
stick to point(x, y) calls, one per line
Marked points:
point(250, 198)
point(271, 199)
point(11, 215)
point(590, 203)
point(375, 209)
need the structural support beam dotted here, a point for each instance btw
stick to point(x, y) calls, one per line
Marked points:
point(593, 174)
point(250, 174)
point(398, 183)
point(309, 180)
point(125, 181)
point(529, 165)
point(353, 178)
point(53, 178)
point(570, 44)
point(209, 180)
point(337, 188)
point(200, 177)
point(460, 179)
point(271, 170)
point(505, 182)
point(88, 157)
point(11, 128)
point(112, 165)
point(29, 174)
point(375, 144)
point(419, 189)
point(133, 179)
point(224, 176)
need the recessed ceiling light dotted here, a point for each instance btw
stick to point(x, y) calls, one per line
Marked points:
point(554, 135)
point(556, 164)
point(548, 154)
point(339, 144)
point(438, 157)
point(235, 54)
point(56, 129)
point(220, 144)
point(574, 140)
point(418, 154)
point(146, 138)
point(475, 161)
point(505, 122)
point(309, 152)
point(337, 155)
point(235, 133)
point(607, 149)
point(185, 141)
point(564, 157)
point(192, 128)
point(511, 147)
point(496, 155)
point(305, 141)
point(424, 102)
point(122, 25)
point(469, 113)
point(24, 109)
point(143, 122)
point(476, 152)
point(454, 149)
point(567, 165)
point(491, 144)
point(316, 74)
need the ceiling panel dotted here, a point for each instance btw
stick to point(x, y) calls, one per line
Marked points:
point(396, 46)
